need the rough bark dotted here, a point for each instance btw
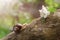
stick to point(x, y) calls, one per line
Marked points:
point(38, 29)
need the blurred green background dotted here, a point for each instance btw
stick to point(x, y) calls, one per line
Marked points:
point(20, 15)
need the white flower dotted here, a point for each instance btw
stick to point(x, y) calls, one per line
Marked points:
point(44, 12)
